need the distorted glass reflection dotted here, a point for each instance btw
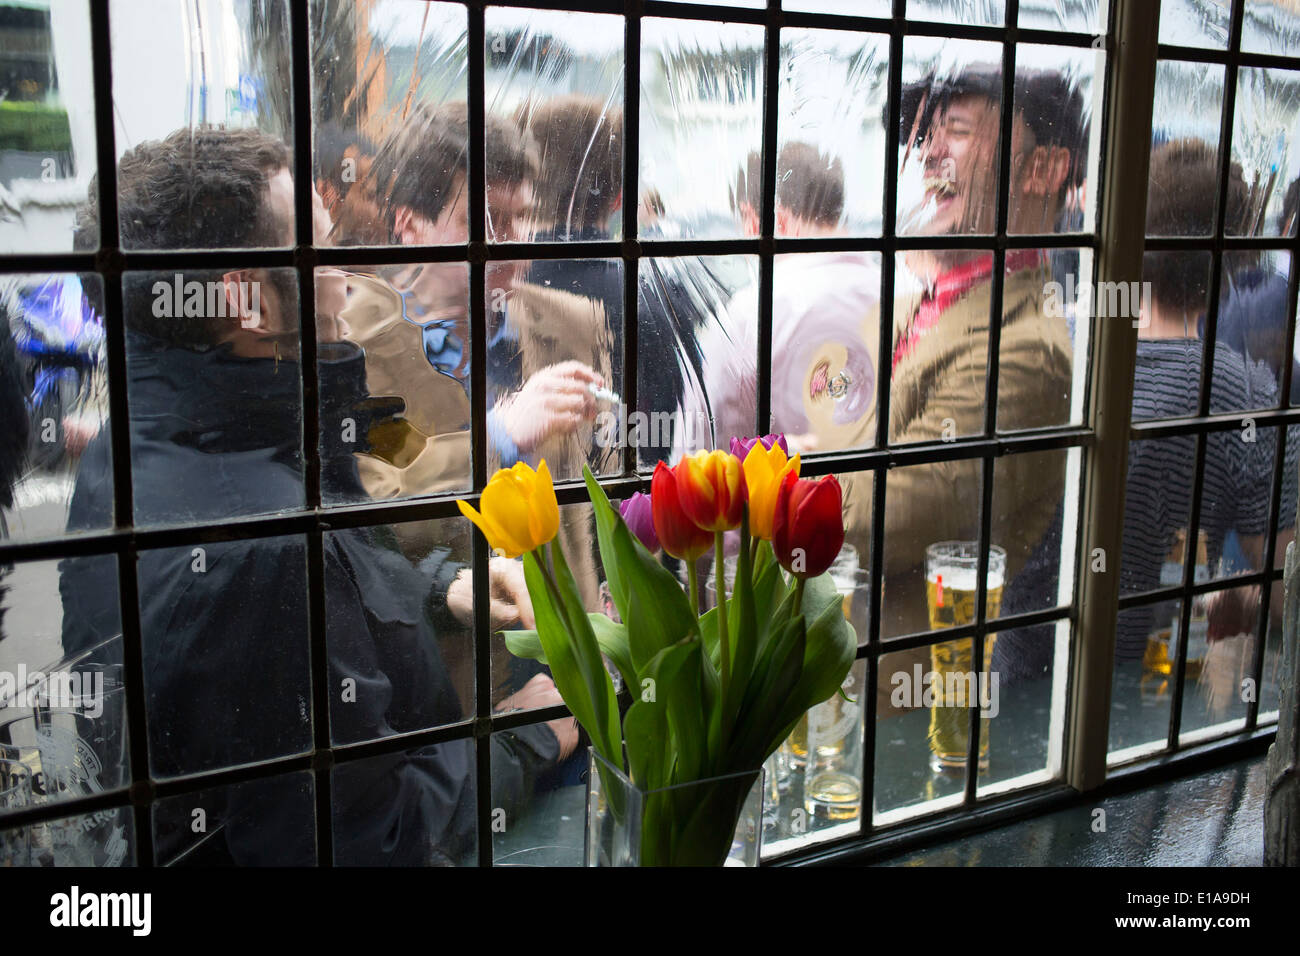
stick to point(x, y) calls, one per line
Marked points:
point(47, 124)
point(697, 357)
point(1039, 540)
point(1265, 137)
point(54, 393)
point(1142, 687)
point(990, 13)
point(1187, 107)
point(701, 118)
point(1076, 16)
point(187, 77)
point(558, 79)
point(377, 68)
point(395, 405)
point(1202, 23)
point(831, 131)
point(1270, 26)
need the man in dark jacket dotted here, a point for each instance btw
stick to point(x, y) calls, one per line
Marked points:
point(216, 432)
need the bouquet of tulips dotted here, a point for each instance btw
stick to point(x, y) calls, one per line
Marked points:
point(713, 694)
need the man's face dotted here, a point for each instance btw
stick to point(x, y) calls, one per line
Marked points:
point(959, 160)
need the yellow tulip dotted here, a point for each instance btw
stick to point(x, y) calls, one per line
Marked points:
point(519, 510)
point(764, 470)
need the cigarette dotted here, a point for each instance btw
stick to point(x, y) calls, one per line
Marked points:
point(604, 394)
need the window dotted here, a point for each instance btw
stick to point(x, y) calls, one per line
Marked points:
point(286, 280)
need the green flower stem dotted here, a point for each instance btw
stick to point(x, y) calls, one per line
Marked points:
point(693, 576)
point(798, 595)
point(723, 643)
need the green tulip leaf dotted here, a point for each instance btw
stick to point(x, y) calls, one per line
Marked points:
point(610, 636)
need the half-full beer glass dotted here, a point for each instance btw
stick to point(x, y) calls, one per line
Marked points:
point(951, 569)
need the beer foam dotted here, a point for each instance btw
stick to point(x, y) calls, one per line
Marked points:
point(963, 579)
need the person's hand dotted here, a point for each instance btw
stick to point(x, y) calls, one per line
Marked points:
point(77, 433)
point(540, 692)
point(507, 589)
point(801, 444)
point(1231, 612)
point(555, 400)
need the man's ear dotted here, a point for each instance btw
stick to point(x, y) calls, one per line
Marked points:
point(243, 295)
point(1046, 170)
point(404, 226)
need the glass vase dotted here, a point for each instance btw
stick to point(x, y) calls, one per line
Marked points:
point(717, 821)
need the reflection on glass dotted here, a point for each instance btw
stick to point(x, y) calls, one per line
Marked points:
point(215, 394)
point(1143, 684)
point(990, 13)
point(905, 784)
point(105, 838)
point(208, 85)
point(1184, 180)
point(54, 405)
point(856, 8)
point(1046, 294)
point(224, 626)
point(924, 505)
point(1202, 23)
point(412, 808)
point(555, 364)
point(1056, 96)
point(1270, 26)
point(376, 69)
point(1216, 692)
point(1265, 136)
point(701, 118)
point(1026, 705)
point(270, 822)
point(1075, 16)
point(47, 125)
point(697, 356)
point(558, 78)
point(1252, 324)
point(1034, 529)
point(541, 808)
point(394, 387)
point(830, 168)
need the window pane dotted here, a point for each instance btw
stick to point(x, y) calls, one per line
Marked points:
point(54, 364)
point(1235, 502)
point(1201, 23)
point(1157, 508)
point(1075, 16)
point(62, 680)
point(47, 127)
point(394, 383)
point(391, 74)
point(941, 320)
point(948, 136)
point(1034, 518)
point(399, 610)
point(1268, 26)
point(539, 804)
point(105, 838)
point(412, 808)
point(1026, 707)
point(215, 393)
point(555, 364)
point(1043, 352)
point(558, 77)
point(1265, 136)
point(701, 125)
point(976, 12)
point(202, 93)
point(1213, 703)
point(697, 356)
point(856, 8)
point(225, 653)
point(825, 339)
point(1055, 155)
point(924, 505)
point(1167, 375)
point(269, 822)
point(830, 168)
point(1184, 170)
point(1143, 685)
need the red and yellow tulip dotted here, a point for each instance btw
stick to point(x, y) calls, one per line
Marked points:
point(711, 489)
point(678, 534)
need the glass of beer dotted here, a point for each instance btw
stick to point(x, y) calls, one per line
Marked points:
point(951, 569)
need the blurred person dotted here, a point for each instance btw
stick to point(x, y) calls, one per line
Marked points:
point(938, 367)
point(1238, 473)
point(343, 161)
point(215, 432)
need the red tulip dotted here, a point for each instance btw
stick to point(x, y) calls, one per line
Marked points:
point(711, 488)
point(808, 526)
point(678, 534)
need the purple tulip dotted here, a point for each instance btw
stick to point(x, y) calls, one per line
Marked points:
point(640, 520)
point(740, 447)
